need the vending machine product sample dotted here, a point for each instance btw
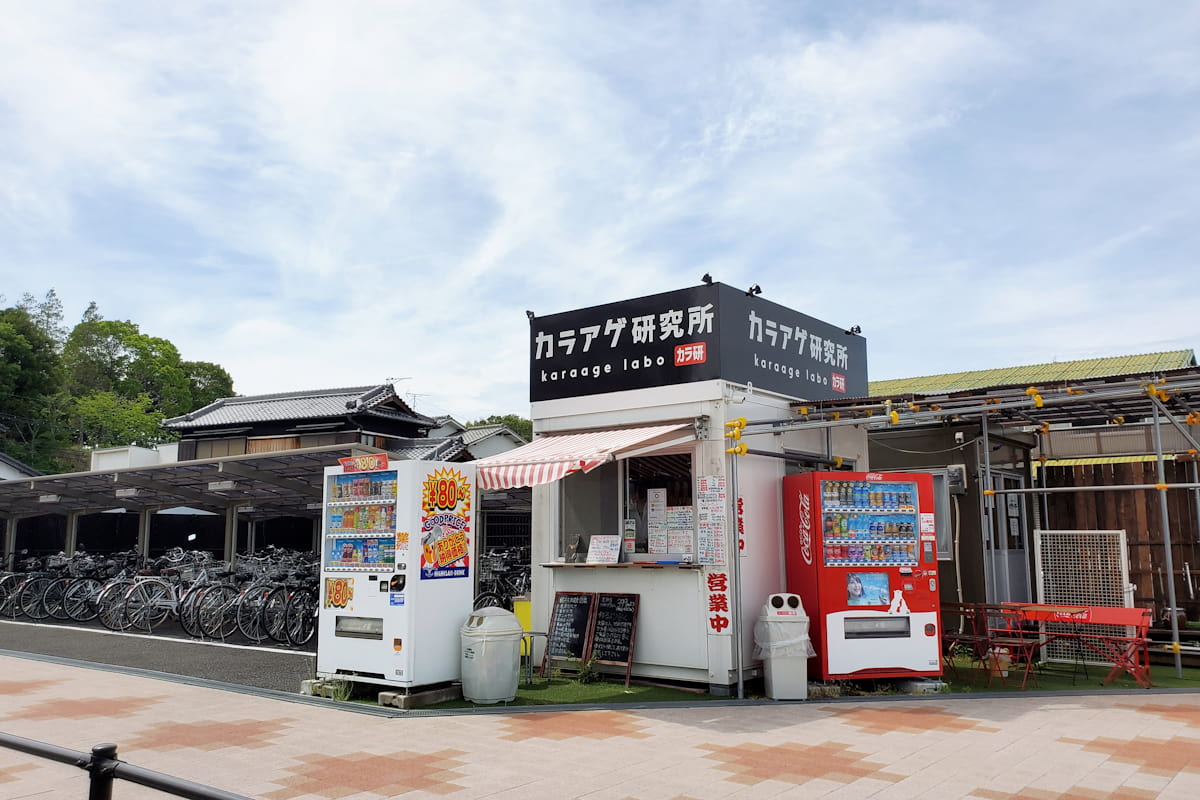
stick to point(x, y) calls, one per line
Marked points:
point(861, 553)
point(398, 544)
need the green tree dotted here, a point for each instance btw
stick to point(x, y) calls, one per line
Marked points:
point(518, 425)
point(105, 419)
point(110, 356)
point(208, 382)
point(30, 376)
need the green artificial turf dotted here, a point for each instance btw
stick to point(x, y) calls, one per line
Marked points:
point(566, 690)
point(1062, 677)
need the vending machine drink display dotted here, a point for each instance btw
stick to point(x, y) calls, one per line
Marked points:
point(398, 545)
point(861, 553)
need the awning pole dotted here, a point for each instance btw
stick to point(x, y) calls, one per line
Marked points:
point(1166, 534)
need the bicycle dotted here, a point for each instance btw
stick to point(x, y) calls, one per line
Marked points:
point(503, 576)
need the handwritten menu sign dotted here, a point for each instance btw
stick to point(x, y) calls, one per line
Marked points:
point(614, 630)
point(711, 517)
point(680, 529)
point(604, 550)
point(570, 626)
point(585, 625)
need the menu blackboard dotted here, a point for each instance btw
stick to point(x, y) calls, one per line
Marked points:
point(586, 625)
point(614, 629)
point(570, 626)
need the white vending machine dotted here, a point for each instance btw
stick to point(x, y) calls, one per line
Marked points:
point(398, 544)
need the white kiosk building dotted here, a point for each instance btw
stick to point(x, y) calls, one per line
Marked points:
point(631, 404)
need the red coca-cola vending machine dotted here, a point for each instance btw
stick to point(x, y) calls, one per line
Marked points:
point(861, 552)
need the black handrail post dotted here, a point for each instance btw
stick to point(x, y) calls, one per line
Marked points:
point(103, 768)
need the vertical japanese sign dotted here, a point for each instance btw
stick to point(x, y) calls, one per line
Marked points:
point(711, 516)
point(718, 616)
point(696, 334)
point(445, 525)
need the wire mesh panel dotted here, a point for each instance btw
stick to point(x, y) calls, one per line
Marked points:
point(1080, 568)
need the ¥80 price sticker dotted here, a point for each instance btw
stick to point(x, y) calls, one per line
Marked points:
point(367, 463)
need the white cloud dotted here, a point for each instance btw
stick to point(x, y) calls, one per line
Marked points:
point(254, 180)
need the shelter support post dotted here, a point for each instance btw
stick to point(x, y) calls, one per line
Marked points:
point(143, 536)
point(987, 503)
point(72, 540)
point(8, 535)
point(231, 526)
point(1169, 561)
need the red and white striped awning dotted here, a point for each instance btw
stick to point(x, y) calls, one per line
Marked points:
point(553, 457)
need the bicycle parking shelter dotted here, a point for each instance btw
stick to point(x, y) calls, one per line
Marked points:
point(241, 489)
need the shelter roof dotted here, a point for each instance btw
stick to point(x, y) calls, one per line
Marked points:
point(1054, 372)
point(283, 483)
point(380, 401)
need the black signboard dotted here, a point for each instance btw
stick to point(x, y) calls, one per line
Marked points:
point(614, 630)
point(697, 334)
point(570, 626)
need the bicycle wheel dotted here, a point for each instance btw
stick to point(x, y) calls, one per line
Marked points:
point(249, 612)
point(273, 614)
point(110, 604)
point(53, 597)
point(12, 606)
point(300, 617)
point(8, 585)
point(486, 599)
point(189, 606)
point(215, 611)
point(148, 603)
point(30, 597)
point(79, 600)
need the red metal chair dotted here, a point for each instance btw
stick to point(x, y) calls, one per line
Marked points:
point(1006, 631)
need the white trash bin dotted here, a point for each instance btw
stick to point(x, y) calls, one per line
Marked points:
point(491, 655)
point(781, 641)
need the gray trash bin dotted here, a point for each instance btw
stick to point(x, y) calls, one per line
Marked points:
point(491, 655)
point(781, 641)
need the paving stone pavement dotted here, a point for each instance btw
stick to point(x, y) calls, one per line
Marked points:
point(1110, 746)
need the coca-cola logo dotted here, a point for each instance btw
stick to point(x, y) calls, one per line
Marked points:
point(806, 528)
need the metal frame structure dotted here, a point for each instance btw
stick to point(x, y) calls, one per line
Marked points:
point(1172, 395)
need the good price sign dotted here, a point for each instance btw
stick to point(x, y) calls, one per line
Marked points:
point(445, 525)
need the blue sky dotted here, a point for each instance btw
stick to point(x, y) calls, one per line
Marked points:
point(317, 194)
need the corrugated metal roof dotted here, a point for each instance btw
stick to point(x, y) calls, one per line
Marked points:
point(1036, 374)
point(284, 406)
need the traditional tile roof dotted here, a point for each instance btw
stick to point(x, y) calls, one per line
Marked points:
point(380, 401)
point(444, 449)
point(476, 434)
point(1036, 374)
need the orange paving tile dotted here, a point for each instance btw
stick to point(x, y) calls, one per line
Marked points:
point(1155, 756)
point(386, 775)
point(880, 719)
point(266, 747)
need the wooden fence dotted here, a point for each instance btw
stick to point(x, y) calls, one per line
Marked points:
point(1139, 514)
